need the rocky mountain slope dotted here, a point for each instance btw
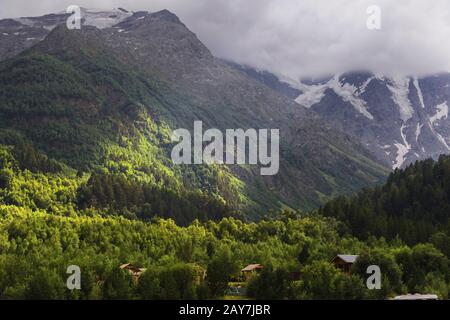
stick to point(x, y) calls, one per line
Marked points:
point(400, 119)
point(124, 85)
point(18, 34)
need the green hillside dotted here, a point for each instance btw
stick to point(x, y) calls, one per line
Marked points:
point(78, 101)
point(87, 117)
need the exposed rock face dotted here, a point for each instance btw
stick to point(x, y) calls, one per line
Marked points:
point(400, 120)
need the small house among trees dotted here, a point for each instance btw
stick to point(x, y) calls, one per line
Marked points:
point(344, 262)
point(135, 271)
point(250, 270)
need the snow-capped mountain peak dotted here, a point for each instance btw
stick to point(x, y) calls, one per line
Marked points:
point(400, 119)
point(101, 19)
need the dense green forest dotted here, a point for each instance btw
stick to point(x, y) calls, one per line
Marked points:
point(137, 200)
point(36, 248)
point(414, 204)
point(52, 216)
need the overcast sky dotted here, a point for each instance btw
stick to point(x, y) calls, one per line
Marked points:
point(300, 37)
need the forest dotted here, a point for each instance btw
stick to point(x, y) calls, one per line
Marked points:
point(413, 204)
point(192, 246)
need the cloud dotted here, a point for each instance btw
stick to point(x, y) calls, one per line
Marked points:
point(302, 38)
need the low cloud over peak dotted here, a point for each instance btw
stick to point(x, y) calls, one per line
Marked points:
point(306, 38)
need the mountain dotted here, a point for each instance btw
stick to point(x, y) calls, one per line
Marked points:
point(269, 79)
point(400, 119)
point(87, 182)
point(19, 34)
point(107, 98)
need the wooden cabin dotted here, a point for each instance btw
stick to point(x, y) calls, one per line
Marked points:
point(135, 271)
point(249, 271)
point(344, 262)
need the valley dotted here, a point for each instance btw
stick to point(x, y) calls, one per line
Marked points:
point(90, 121)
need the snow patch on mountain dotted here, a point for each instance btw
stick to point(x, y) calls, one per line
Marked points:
point(313, 94)
point(399, 88)
point(402, 149)
point(418, 131)
point(419, 92)
point(441, 113)
point(362, 89)
point(440, 138)
point(104, 19)
point(91, 17)
point(350, 93)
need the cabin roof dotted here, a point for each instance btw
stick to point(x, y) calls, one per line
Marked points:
point(132, 267)
point(252, 267)
point(348, 258)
